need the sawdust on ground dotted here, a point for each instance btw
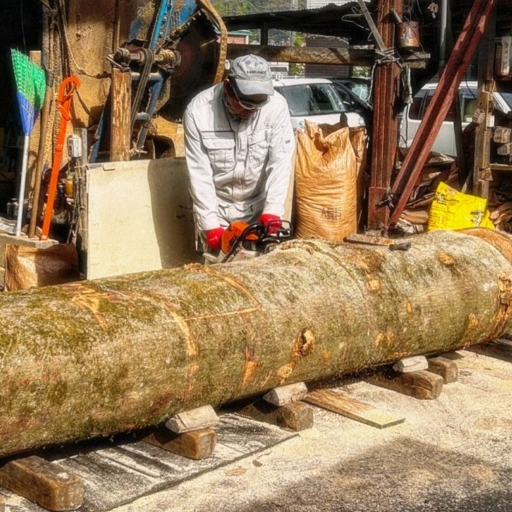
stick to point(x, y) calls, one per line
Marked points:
point(450, 454)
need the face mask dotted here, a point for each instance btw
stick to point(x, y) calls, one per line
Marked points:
point(229, 108)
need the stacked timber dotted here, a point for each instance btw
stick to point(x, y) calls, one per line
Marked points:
point(90, 359)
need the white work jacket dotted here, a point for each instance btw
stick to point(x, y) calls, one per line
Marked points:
point(238, 168)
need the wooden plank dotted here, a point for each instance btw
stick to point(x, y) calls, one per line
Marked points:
point(499, 349)
point(196, 445)
point(352, 408)
point(43, 482)
point(500, 167)
point(421, 384)
point(120, 127)
point(446, 368)
point(296, 416)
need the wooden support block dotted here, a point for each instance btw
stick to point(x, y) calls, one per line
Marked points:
point(499, 349)
point(446, 368)
point(352, 408)
point(45, 483)
point(195, 419)
point(411, 364)
point(197, 445)
point(296, 416)
point(422, 384)
point(286, 394)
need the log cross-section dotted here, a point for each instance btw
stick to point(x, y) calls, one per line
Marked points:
point(94, 358)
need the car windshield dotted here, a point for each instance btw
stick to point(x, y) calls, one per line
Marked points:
point(311, 99)
point(361, 89)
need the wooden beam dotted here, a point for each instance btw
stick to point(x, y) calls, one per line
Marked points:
point(483, 133)
point(295, 416)
point(197, 445)
point(352, 408)
point(335, 56)
point(421, 384)
point(120, 123)
point(446, 368)
point(386, 102)
point(43, 482)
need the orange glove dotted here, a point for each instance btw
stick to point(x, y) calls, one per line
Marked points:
point(214, 238)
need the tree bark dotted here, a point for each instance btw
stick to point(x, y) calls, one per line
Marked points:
point(98, 357)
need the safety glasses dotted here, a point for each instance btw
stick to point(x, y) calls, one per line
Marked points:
point(248, 105)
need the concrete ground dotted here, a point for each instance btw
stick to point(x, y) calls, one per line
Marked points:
point(451, 454)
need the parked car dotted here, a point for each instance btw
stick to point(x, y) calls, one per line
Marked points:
point(357, 89)
point(445, 141)
point(316, 100)
point(355, 93)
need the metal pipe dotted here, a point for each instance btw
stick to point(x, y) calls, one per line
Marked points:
point(443, 25)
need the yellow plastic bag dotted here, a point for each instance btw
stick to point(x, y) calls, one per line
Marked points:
point(454, 210)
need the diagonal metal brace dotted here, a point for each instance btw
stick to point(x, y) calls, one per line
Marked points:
point(448, 86)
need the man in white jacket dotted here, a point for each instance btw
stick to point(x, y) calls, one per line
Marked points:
point(239, 146)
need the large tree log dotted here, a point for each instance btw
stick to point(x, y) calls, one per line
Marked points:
point(95, 358)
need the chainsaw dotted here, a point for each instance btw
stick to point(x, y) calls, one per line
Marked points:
point(243, 241)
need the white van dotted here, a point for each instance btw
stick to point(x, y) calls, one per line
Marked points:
point(445, 141)
point(316, 100)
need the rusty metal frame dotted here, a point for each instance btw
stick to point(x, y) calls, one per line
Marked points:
point(472, 33)
point(386, 95)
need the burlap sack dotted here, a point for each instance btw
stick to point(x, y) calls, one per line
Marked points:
point(329, 181)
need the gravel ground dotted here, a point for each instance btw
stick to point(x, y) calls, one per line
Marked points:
point(451, 454)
